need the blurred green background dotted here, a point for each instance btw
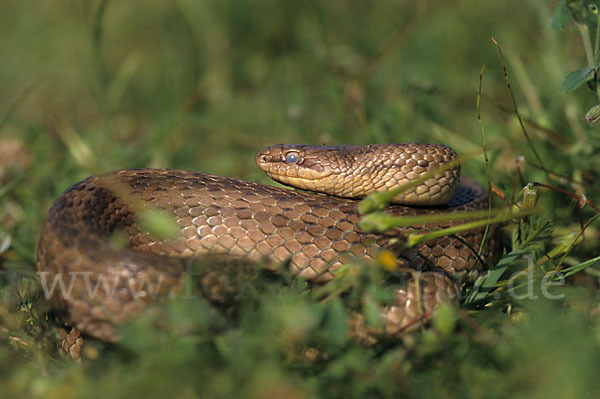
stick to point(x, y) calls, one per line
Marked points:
point(91, 86)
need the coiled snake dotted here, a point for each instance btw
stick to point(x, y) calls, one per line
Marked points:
point(224, 216)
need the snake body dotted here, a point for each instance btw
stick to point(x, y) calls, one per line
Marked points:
point(221, 216)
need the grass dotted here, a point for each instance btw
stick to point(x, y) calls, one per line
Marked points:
point(94, 86)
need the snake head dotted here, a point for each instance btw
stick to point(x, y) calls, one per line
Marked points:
point(298, 165)
point(357, 171)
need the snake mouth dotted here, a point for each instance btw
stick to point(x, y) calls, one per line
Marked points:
point(312, 183)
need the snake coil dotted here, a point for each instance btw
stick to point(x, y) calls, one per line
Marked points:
point(223, 216)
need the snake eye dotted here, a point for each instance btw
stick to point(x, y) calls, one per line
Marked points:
point(291, 157)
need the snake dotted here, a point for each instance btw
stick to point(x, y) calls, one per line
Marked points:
point(314, 229)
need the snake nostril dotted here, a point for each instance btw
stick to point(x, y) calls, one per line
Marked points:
point(263, 158)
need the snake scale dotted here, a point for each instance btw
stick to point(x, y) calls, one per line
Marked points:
point(219, 215)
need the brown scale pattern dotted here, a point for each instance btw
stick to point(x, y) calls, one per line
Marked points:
point(223, 216)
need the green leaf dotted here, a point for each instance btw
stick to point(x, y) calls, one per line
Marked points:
point(559, 16)
point(371, 311)
point(487, 283)
point(575, 79)
point(159, 224)
point(335, 325)
point(445, 318)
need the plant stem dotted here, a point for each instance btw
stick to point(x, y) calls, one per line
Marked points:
point(414, 239)
point(597, 43)
point(587, 45)
point(514, 102)
point(485, 157)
